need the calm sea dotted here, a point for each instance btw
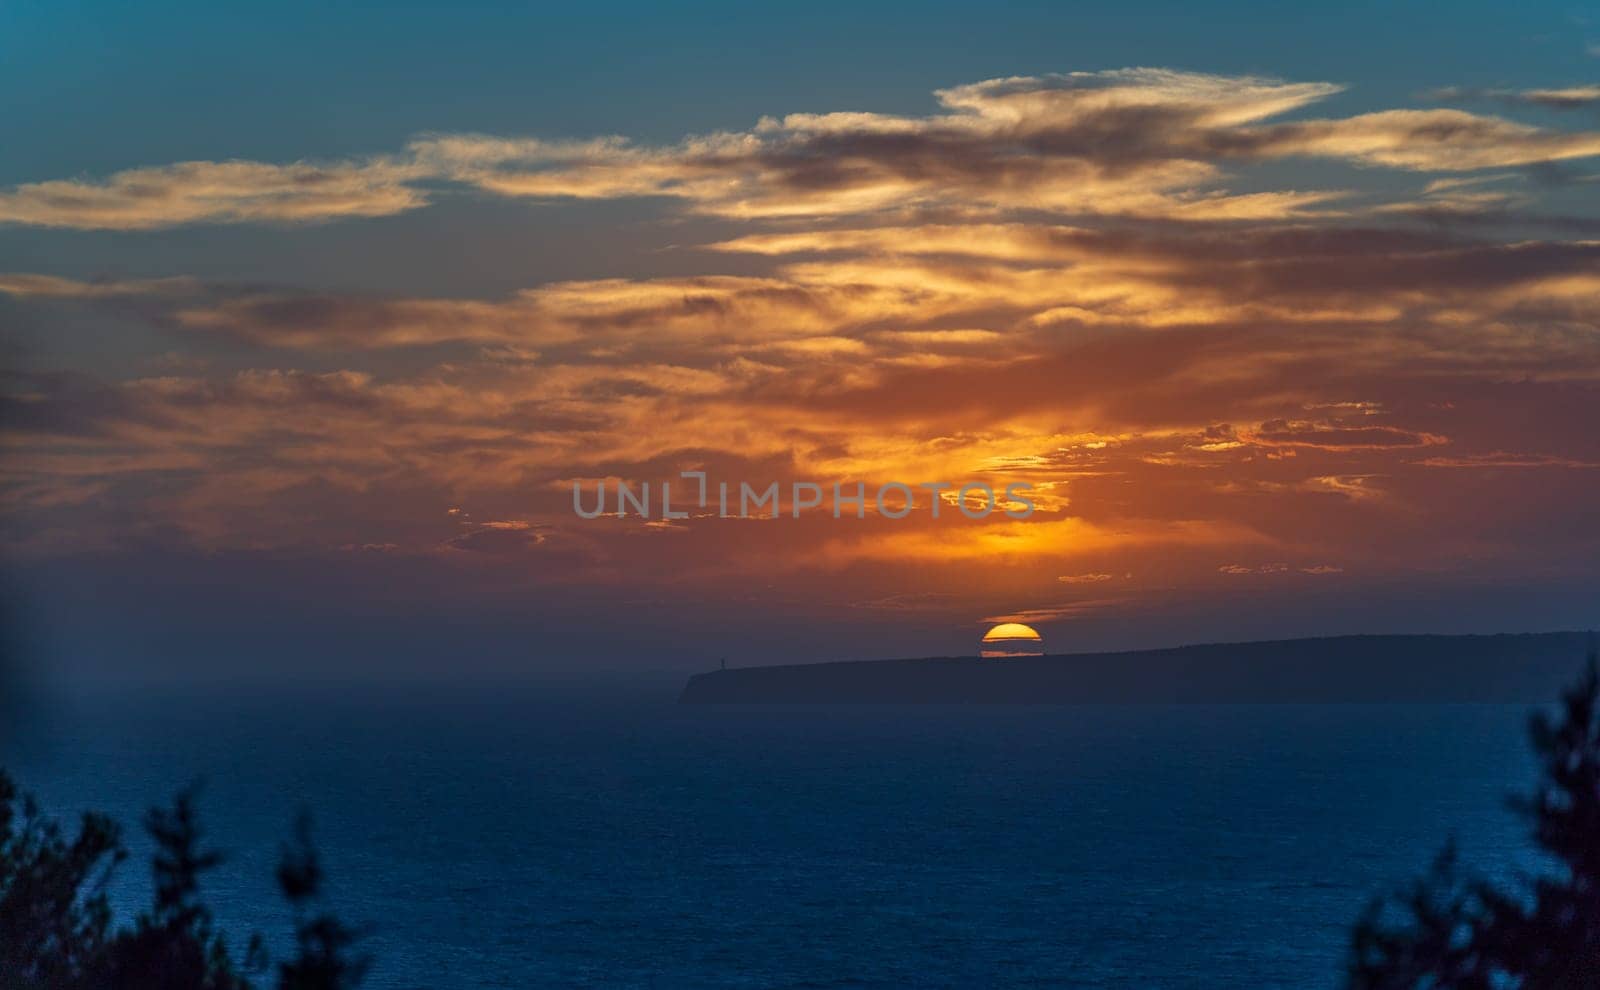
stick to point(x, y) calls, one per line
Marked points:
point(598, 835)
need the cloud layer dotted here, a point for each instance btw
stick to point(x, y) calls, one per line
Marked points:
point(1140, 142)
point(1094, 283)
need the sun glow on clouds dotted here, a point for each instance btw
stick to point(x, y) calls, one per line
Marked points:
point(1076, 281)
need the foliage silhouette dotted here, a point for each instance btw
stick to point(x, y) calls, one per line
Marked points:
point(55, 920)
point(324, 961)
point(53, 910)
point(1459, 932)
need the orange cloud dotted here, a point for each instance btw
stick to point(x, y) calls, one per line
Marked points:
point(217, 192)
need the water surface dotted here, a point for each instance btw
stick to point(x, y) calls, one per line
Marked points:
point(597, 835)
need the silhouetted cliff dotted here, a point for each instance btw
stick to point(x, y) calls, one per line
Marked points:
point(1524, 668)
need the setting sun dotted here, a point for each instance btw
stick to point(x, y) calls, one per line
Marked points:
point(1012, 639)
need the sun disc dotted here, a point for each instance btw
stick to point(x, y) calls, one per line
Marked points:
point(1011, 639)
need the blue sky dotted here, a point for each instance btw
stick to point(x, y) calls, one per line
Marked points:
point(98, 87)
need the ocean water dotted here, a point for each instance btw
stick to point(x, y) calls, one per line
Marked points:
point(598, 835)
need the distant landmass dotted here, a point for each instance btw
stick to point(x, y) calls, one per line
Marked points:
point(1526, 668)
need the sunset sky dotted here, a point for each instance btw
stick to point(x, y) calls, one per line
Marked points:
point(312, 318)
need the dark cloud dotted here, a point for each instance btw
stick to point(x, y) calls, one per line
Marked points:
point(1557, 98)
